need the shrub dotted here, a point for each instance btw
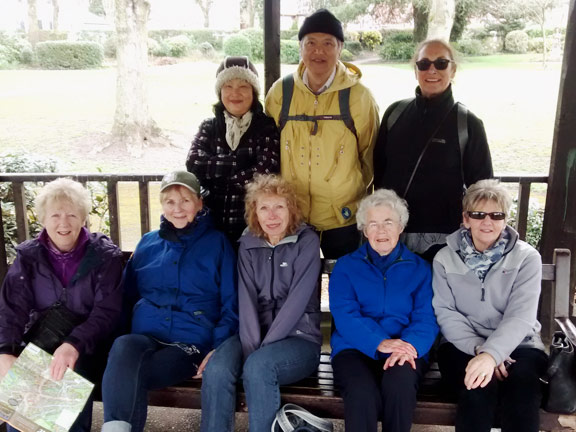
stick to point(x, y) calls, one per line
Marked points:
point(69, 55)
point(256, 38)
point(397, 50)
point(354, 47)
point(289, 34)
point(371, 39)
point(471, 47)
point(516, 42)
point(346, 55)
point(535, 222)
point(237, 45)
point(14, 48)
point(206, 35)
point(110, 46)
point(153, 46)
point(177, 46)
point(537, 45)
point(27, 55)
point(351, 36)
point(397, 36)
point(289, 52)
point(206, 49)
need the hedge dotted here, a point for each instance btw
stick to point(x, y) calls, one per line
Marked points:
point(238, 45)
point(69, 55)
point(289, 51)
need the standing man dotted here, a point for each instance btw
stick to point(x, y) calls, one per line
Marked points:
point(329, 124)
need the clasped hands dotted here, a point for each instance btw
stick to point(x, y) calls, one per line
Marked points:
point(400, 353)
point(482, 367)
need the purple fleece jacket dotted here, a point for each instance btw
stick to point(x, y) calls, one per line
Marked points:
point(94, 293)
point(278, 289)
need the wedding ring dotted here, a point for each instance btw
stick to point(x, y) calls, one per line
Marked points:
point(483, 375)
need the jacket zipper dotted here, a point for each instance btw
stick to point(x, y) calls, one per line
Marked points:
point(272, 298)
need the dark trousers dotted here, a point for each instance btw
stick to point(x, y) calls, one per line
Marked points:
point(518, 396)
point(338, 242)
point(371, 394)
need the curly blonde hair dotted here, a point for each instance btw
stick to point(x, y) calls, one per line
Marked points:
point(63, 190)
point(263, 184)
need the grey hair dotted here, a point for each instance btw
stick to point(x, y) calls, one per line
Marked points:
point(382, 197)
point(67, 190)
point(487, 190)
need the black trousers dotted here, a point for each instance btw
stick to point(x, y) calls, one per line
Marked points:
point(518, 396)
point(338, 242)
point(371, 394)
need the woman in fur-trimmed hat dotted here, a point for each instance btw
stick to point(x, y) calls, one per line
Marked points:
point(238, 142)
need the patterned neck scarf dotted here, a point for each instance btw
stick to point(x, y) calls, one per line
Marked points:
point(236, 127)
point(480, 262)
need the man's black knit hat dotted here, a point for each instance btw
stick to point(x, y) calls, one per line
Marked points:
point(322, 21)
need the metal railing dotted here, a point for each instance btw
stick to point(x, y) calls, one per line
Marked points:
point(143, 180)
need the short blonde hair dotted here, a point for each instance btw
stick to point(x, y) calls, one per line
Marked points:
point(274, 185)
point(63, 190)
point(487, 190)
point(382, 197)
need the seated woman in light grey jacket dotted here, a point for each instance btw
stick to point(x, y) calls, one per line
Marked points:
point(279, 311)
point(486, 288)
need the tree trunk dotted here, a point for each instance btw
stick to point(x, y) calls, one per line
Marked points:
point(440, 19)
point(33, 28)
point(133, 125)
point(543, 28)
point(460, 21)
point(420, 12)
point(55, 14)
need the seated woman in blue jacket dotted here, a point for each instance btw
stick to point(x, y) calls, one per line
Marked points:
point(279, 342)
point(381, 301)
point(184, 277)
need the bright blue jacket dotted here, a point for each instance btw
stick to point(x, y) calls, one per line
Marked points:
point(187, 288)
point(369, 306)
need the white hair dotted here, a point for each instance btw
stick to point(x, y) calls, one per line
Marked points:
point(382, 197)
point(67, 190)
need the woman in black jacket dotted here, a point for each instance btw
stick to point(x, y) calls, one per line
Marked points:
point(429, 149)
point(238, 142)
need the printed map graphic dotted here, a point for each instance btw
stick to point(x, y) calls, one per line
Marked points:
point(32, 402)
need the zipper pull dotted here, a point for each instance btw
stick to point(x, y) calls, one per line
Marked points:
point(483, 292)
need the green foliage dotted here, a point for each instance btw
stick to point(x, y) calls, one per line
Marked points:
point(289, 52)
point(69, 55)
point(355, 47)
point(516, 42)
point(398, 36)
point(371, 39)
point(177, 46)
point(198, 36)
point(206, 49)
point(350, 36)
point(237, 45)
point(289, 34)
point(256, 38)
point(96, 7)
point(470, 47)
point(535, 222)
point(99, 36)
point(153, 46)
point(537, 45)
point(20, 163)
point(14, 49)
point(346, 55)
point(391, 50)
point(110, 46)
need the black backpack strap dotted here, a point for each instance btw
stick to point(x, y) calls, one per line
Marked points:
point(287, 91)
point(462, 120)
point(397, 112)
point(344, 101)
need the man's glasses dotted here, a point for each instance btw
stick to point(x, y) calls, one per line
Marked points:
point(439, 64)
point(482, 215)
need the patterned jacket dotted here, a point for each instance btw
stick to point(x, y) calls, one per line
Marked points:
point(225, 172)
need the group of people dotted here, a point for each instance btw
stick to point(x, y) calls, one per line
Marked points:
point(226, 289)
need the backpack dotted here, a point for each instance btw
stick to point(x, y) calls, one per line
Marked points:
point(343, 100)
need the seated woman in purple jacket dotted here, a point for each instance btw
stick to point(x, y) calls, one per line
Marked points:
point(381, 301)
point(279, 342)
point(70, 269)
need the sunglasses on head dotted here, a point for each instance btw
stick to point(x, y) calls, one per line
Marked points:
point(439, 64)
point(482, 215)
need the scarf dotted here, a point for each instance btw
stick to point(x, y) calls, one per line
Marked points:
point(480, 262)
point(236, 127)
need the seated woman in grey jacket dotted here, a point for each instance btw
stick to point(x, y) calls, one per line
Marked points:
point(279, 311)
point(486, 287)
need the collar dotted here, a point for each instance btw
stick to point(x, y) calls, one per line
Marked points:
point(45, 241)
point(445, 98)
point(326, 85)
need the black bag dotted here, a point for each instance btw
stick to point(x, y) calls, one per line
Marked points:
point(52, 327)
point(292, 418)
point(560, 395)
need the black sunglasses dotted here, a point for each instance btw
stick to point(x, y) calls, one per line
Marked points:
point(482, 215)
point(439, 64)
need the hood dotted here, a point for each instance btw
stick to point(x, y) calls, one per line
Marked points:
point(347, 75)
point(453, 240)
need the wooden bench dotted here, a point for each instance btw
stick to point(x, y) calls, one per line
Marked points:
point(318, 394)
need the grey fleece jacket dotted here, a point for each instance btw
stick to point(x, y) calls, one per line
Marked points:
point(278, 289)
point(505, 319)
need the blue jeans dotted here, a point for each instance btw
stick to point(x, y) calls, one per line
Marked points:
point(280, 363)
point(136, 364)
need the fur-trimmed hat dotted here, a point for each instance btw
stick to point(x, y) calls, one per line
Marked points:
point(322, 21)
point(236, 67)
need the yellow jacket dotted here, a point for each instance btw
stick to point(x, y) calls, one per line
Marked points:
point(330, 170)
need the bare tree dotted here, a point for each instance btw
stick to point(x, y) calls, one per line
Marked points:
point(205, 6)
point(247, 13)
point(55, 14)
point(536, 11)
point(33, 28)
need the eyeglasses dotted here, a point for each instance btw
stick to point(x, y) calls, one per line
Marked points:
point(377, 226)
point(439, 64)
point(482, 215)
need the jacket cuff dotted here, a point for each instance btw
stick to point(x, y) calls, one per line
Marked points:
point(76, 343)
point(11, 348)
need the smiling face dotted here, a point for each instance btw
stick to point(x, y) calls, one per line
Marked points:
point(433, 82)
point(273, 216)
point(320, 53)
point(180, 206)
point(484, 231)
point(382, 229)
point(237, 96)
point(63, 222)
